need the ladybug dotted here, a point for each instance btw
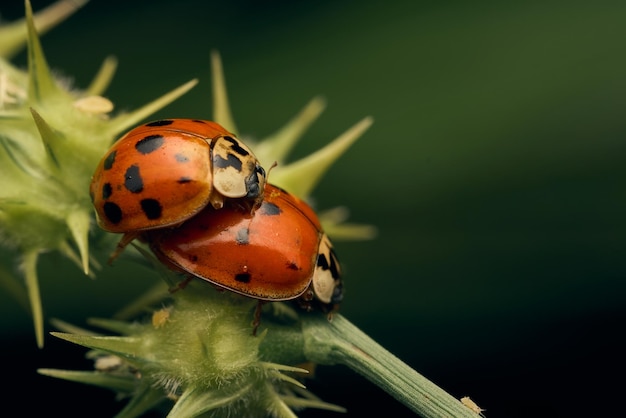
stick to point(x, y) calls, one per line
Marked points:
point(277, 253)
point(164, 172)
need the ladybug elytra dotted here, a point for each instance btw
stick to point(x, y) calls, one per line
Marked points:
point(164, 172)
point(277, 253)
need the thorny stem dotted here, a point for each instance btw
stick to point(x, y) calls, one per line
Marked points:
point(340, 342)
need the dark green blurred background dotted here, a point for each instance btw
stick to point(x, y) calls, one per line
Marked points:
point(495, 172)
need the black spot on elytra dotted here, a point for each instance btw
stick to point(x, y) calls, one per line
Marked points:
point(199, 121)
point(162, 122)
point(152, 208)
point(236, 147)
point(184, 180)
point(293, 266)
point(243, 236)
point(231, 161)
point(181, 158)
point(109, 160)
point(132, 179)
point(270, 209)
point(149, 144)
point(112, 212)
point(243, 277)
point(107, 190)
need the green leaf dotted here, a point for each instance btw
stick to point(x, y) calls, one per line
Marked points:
point(103, 78)
point(144, 398)
point(277, 146)
point(13, 35)
point(221, 108)
point(194, 401)
point(41, 82)
point(105, 380)
point(300, 177)
point(122, 122)
point(29, 266)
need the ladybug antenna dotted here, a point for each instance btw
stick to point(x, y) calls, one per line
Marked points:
point(267, 175)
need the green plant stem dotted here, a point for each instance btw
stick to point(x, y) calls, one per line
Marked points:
point(340, 342)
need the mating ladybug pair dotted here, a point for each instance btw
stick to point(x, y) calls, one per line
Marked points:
point(198, 196)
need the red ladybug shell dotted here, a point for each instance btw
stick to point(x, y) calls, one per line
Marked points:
point(273, 254)
point(164, 172)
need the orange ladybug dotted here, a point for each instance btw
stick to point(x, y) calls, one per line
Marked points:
point(277, 253)
point(164, 172)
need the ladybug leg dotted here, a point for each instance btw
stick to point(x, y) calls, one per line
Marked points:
point(126, 239)
point(216, 200)
point(257, 316)
point(180, 285)
point(330, 314)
